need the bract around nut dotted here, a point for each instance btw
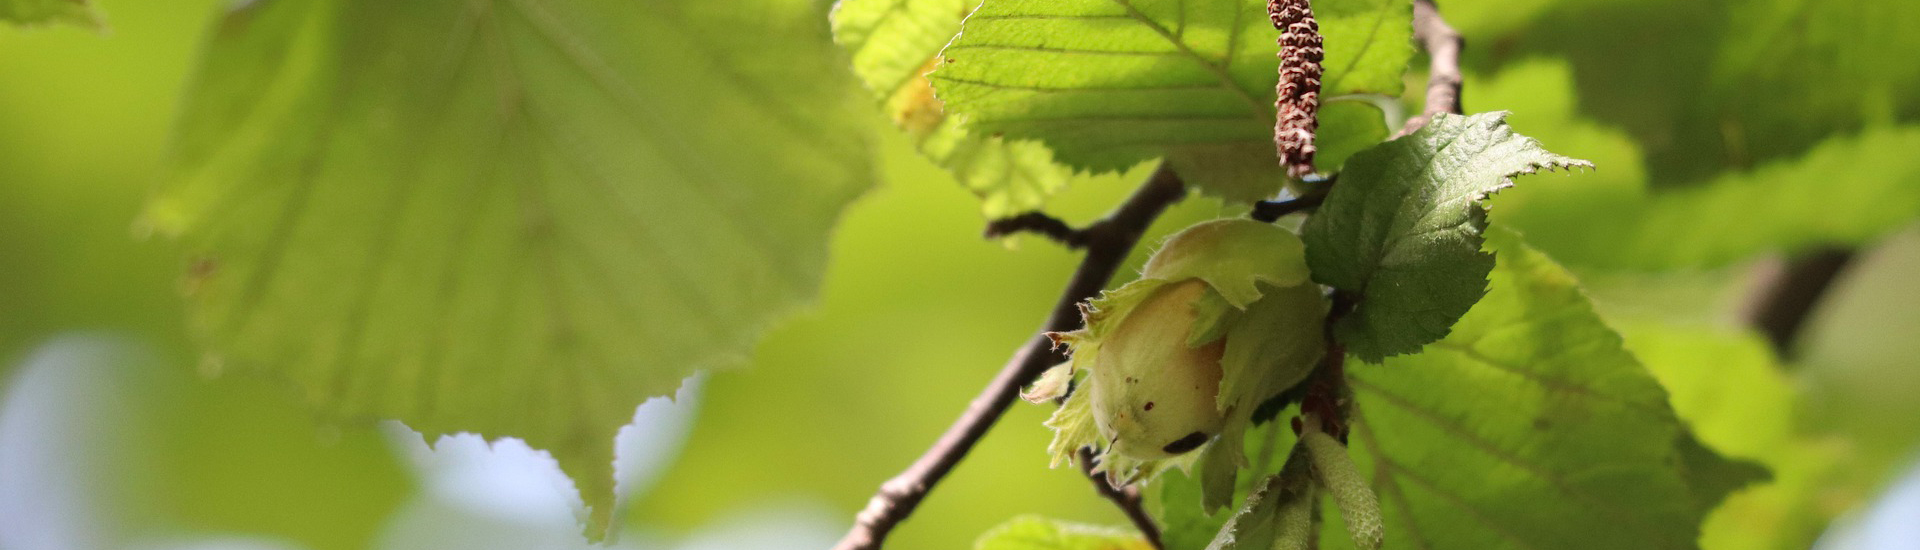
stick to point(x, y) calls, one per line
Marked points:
point(1223, 317)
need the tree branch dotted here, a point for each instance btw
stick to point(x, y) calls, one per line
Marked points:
point(1443, 45)
point(1108, 242)
point(1127, 498)
point(1271, 211)
point(1788, 296)
point(1037, 222)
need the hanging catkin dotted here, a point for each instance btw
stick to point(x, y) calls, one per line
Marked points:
point(1299, 88)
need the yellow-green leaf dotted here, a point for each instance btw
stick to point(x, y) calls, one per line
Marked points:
point(1038, 533)
point(36, 12)
point(516, 217)
point(1110, 83)
point(894, 43)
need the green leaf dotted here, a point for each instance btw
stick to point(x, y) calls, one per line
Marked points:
point(1220, 464)
point(1185, 522)
point(1110, 83)
point(1530, 426)
point(1038, 533)
point(1181, 502)
point(1708, 86)
point(1741, 402)
point(1848, 190)
point(1255, 525)
point(36, 12)
point(1402, 229)
point(893, 44)
point(1280, 509)
point(513, 218)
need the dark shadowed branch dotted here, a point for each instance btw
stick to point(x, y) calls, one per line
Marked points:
point(1126, 497)
point(1443, 45)
point(1108, 242)
point(1037, 222)
point(1271, 211)
point(1787, 297)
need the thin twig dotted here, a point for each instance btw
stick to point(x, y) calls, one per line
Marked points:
point(1271, 211)
point(1127, 498)
point(1037, 222)
point(1109, 242)
point(1787, 297)
point(1443, 45)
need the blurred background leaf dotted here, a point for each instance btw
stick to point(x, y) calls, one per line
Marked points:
point(893, 44)
point(512, 218)
point(1706, 86)
point(1036, 533)
point(35, 12)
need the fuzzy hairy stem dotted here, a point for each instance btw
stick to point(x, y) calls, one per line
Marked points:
point(1108, 242)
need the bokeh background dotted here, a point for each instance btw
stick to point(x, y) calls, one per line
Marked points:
point(109, 438)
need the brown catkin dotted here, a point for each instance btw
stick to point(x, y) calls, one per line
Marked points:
point(1298, 104)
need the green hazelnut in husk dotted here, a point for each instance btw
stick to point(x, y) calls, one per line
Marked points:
point(1223, 316)
point(1154, 396)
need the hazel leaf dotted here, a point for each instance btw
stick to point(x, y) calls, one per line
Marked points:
point(1403, 228)
point(1275, 511)
point(1108, 84)
point(894, 43)
point(1255, 526)
point(515, 218)
point(1530, 426)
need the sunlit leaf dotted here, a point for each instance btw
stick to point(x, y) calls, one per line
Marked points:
point(1107, 84)
point(514, 218)
point(893, 44)
point(1741, 402)
point(1710, 86)
point(1847, 190)
point(1530, 426)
